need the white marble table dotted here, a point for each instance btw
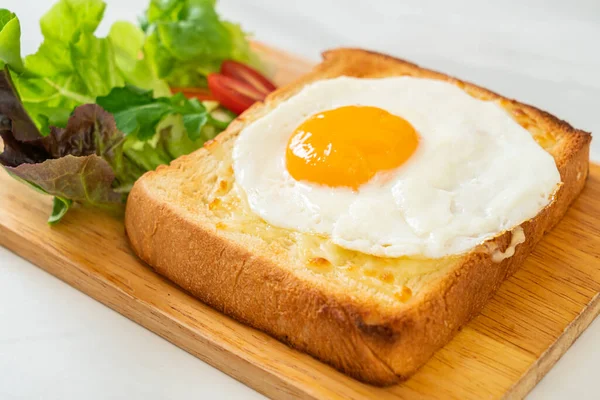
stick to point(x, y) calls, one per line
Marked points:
point(56, 343)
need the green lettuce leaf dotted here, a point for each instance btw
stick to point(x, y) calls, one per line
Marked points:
point(128, 42)
point(170, 142)
point(138, 113)
point(68, 19)
point(187, 40)
point(60, 206)
point(71, 67)
point(10, 41)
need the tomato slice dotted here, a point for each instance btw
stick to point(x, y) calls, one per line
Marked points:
point(245, 74)
point(201, 94)
point(237, 87)
point(232, 94)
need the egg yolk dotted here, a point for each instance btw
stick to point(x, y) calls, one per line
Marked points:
point(347, 146)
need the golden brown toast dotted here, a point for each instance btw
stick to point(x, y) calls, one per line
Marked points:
point(373, 318)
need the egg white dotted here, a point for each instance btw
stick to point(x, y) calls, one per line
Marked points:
point(475, 174)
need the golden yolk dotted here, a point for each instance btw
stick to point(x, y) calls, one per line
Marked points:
point(347, 146)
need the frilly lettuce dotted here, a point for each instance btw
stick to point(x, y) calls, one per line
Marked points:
point(187, 40)
point(10, 41)
point(128, 41)
point(83, 162)
point(71, 67)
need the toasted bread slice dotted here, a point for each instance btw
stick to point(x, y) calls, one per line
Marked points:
point(375, 319)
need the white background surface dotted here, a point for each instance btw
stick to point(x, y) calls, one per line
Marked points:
point(56, 343)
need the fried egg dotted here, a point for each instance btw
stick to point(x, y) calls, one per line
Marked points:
point(392, 167)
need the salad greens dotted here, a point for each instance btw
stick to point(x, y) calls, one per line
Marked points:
point(85, 116)
point(77, 163)
point(137, 72)
point(10, 43)
point(180, 33)
point(71, 67)
point(138, 113)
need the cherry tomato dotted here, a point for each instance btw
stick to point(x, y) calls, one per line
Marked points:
point(201, 94)
point(234, 95)
point(244, 73)
point(237, 87)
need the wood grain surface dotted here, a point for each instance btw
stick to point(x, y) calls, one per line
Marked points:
point(504, 352)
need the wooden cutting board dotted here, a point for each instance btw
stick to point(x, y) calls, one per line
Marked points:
point(505, 351)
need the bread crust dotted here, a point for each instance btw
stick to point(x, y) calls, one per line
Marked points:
point(377, 345)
